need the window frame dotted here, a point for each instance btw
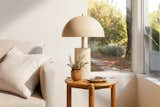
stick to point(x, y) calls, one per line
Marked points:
point(138, 49)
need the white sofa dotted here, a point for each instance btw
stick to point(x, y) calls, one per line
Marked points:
point(36, 100)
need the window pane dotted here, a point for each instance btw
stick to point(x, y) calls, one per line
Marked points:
point(154, 20)
point(113, 52)
point(153, 33)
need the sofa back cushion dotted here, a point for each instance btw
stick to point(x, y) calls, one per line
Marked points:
point(24, 46)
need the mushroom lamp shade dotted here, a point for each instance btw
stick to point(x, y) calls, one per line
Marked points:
point(83, 26)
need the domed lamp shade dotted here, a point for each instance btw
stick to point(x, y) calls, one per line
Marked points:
point(83, 26)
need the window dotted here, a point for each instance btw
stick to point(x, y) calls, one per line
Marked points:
point(113, 52)
point(153, 34)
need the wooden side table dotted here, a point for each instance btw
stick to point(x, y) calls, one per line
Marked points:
point(84, 84)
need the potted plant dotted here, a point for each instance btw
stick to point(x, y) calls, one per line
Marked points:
point(76, 67)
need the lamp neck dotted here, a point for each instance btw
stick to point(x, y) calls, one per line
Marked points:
point(82, 41)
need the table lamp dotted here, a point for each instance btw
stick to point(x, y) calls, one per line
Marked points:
point(83, 26)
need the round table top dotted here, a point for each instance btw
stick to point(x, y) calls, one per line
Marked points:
point(85, 84)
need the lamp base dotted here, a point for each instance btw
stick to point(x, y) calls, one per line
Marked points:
point(86, 52)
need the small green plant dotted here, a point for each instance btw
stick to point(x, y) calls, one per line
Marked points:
point(78, 64)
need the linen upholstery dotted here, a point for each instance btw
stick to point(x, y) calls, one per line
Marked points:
point(22, 75)
point(25, 47)
point(47, 80)
point(10, 100)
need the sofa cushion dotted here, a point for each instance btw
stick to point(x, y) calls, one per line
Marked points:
point(9, 100)
point(26, 47)
point(20, 72)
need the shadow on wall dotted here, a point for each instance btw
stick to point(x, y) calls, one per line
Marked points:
point(10, 10)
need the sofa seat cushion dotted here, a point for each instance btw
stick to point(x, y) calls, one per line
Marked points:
point(10, 100)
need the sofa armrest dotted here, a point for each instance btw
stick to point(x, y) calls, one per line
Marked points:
point(47, 82)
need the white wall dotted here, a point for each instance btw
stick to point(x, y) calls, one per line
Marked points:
point(43, 21)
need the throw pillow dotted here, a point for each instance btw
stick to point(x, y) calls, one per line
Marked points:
point(19, 72)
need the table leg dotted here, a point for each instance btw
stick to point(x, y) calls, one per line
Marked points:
point(91, 96)
point(69, 96)
point(113, 96)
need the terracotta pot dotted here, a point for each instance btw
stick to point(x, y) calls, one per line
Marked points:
point(76, 74)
